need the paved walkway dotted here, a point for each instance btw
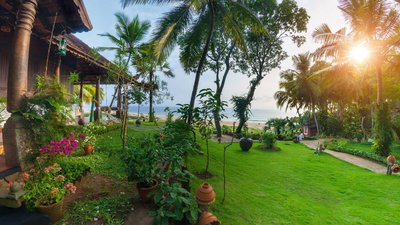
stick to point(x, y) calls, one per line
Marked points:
point(358, 161)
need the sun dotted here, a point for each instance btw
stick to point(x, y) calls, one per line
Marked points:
point(359, 53)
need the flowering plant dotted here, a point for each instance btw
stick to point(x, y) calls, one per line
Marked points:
point(64, 146)
point(46, 186)
point(89, 134)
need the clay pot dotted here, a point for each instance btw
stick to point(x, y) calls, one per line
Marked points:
point(205, 195)
point(391, 159)
point(246, 144)
point(395, 168)
point(207, 218)
point(89, 149)
point(54, 211)
point(138, 122)
point(144, 191)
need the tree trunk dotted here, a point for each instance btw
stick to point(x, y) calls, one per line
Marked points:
point(250, 96)
point(379, 86)
point(220, 87)
point(208, 157)
point(201, 64)
point(315, 118)
point(119, 97)
point(151, 113)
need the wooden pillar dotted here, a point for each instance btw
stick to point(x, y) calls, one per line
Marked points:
point(97, 102)
point(57, 70)
point(17, 84)
point(16, 136)
point(82, 113)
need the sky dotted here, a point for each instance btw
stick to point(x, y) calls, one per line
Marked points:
point(101, 13)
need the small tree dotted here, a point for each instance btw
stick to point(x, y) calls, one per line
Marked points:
point(241, 109)
point(136, 96)
point(383, 130)
point(208, 104)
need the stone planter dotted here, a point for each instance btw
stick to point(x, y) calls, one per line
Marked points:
point(144, 191)
point(54, 211)
point(89, 149)
point(246, 144)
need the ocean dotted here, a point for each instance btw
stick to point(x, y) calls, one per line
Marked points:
point(257, 115)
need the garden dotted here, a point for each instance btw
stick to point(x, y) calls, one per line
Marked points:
point(190, 165)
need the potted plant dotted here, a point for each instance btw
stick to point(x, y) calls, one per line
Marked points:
point(45, 190)
point(142, 165)
point(88, 138)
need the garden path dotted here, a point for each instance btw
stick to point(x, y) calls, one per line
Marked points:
point(358, 161)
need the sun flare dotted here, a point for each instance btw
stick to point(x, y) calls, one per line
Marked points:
point(359, 53)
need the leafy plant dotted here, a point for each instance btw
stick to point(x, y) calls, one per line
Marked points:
point(142, 159)
point(269, 139)
point(241, 109)
point(175, 204)
point(46, 186)
point(383, 130)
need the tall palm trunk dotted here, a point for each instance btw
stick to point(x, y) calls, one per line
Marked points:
point(379, 87)
point(201, 64)
point(315, 117)
point(118, 89)
point(151, 113)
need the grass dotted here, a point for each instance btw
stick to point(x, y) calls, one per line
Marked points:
point(367, 147)
point(294, 186)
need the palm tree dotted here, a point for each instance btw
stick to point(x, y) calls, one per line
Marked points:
point(374, 23)
point(300, 88)
point(147, 64)
point(129, 34)
point(196, 17)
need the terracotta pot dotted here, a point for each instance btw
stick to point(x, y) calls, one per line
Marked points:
point(246, 144)
point(395, 168)
point(391, 159)
point(54, 211)
point(144, 191)
point(89, 149)
point(208, 218)
point(205, 195)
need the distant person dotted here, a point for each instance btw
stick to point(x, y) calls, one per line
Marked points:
point(296, 138)
point(390, 160)
point(301, 137)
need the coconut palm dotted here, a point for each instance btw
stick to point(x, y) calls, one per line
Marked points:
point(129, 34)
point(147, 65)
point(300, 87)
point(197, 18)
point(374, 23)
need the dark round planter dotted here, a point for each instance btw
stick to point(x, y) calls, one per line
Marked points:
point(138, 122)
point(246, 144)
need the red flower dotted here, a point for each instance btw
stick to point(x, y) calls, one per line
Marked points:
point(162, 136)
point(81, 136)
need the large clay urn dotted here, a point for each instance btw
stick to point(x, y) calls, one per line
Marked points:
point(391, 159)
point(205, 196)
point(395, 168)
point(207, 218)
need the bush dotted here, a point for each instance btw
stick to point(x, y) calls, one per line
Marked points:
point(311, 138)
point(383, 131)
point(269, 139)
point(339, 147)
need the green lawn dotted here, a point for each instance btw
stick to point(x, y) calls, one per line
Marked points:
point(294, 186)
point(367, 147)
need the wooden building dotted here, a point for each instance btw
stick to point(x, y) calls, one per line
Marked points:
point(27, 27)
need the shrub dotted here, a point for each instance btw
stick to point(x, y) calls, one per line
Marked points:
point(383, 130)
point(269, 139)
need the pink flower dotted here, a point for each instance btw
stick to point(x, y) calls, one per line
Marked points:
point(70, 187)
point(162, 136)
point(81, 136)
